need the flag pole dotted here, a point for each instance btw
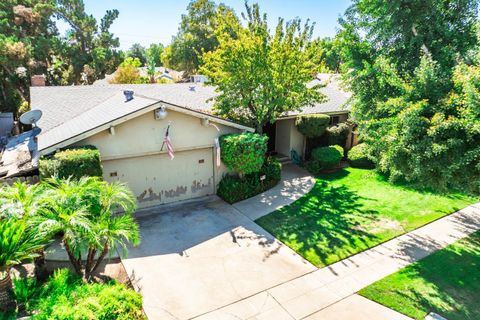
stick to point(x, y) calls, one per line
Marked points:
point(166, 134)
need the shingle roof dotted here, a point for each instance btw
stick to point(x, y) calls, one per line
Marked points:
point(337, 98)
point(60, 104)
point(69, 111)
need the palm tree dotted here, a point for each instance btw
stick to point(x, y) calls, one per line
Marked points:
point(18, 243)
point(95, 216)
point(75, 225)
point(22, 201)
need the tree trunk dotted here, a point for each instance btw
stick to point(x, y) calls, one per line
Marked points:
point(77, 265)
point(90, 257)
point(100, 259)
point(259, 128)
point(40, 270)
point(6, 301)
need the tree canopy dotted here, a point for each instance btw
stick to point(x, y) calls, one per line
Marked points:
point(261, 74)
point(196, 35)
point(413, 68)
point(31, 44)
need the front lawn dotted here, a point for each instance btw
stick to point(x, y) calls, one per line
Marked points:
point(446, 282)
point(352, 210)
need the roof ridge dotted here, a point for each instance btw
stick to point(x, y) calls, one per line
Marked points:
point(75, 117)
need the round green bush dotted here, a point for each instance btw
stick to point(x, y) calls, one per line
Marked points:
point(358, 157)
point(337, 134)
point(312, 126)
point(243, 153)
point(325, 158)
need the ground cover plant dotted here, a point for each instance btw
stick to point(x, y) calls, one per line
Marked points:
point(353, 209)
point(66, 296)
point(446, 282)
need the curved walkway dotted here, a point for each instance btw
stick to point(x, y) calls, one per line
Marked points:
point(295, 183)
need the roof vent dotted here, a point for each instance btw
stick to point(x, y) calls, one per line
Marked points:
point(192, 88)
point(128, 95)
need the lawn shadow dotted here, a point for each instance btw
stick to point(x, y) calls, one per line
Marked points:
point(453, 282)
point(325, 225)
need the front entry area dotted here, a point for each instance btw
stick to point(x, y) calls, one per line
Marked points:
point(156, 179)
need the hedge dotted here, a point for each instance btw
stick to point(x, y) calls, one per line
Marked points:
point(337, 134)
point(243, 153)
point(73, 162)
point(312, 126)
point(325, 158)
point(233, 188)
point(358, 157)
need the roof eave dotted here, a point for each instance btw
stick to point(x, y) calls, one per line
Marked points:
point(120, 120)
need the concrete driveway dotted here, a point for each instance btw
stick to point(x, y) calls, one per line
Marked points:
point(198, 257)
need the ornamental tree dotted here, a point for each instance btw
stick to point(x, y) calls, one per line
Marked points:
point(260, 74)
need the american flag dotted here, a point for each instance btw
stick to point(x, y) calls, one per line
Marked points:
point(167, 142)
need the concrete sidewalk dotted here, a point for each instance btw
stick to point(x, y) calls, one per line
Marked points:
point(316, 294)
point(295, 182)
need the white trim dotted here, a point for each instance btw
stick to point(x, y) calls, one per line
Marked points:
point(306, 114)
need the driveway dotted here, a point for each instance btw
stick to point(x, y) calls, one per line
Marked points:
point(198, 257)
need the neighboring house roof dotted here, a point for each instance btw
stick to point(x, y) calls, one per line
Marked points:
point(72, 111)
point(160, 72)
point(20, 155)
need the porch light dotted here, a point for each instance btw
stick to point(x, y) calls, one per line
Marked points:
point(161, 113)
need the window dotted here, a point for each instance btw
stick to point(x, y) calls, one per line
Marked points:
point(334, 120)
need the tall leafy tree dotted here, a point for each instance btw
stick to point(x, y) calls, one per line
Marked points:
point(26, 39)
point(154, 53)
point(261, 74)
point(91, 49)
point(138, 51)
point(404, 61)
point(196, 35)
point(30, 44)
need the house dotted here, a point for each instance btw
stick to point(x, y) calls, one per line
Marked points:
point(283, 134)
point(130, 134)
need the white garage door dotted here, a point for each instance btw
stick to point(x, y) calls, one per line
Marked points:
point(156, 179)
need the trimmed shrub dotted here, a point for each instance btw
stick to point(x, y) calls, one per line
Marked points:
point(233, 189)
point(75, 162)
point(243, 153)
point(337, 135)
point(358, 157)
point(312, 126)
point(325, 158)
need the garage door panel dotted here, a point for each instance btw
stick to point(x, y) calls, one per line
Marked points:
point(156, 179)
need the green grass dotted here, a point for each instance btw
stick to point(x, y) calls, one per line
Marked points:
point(352, 210)
point(446, 282)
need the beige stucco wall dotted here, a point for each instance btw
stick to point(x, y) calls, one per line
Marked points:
point(132, 155)
point(287, 136)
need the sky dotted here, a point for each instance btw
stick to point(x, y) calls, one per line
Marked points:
point(156, 21)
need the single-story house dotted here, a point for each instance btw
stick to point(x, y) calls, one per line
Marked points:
point(130, 133)
point(284, 136)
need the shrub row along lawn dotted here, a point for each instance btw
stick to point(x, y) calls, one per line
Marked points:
point(352, 210)
point(446, 282)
